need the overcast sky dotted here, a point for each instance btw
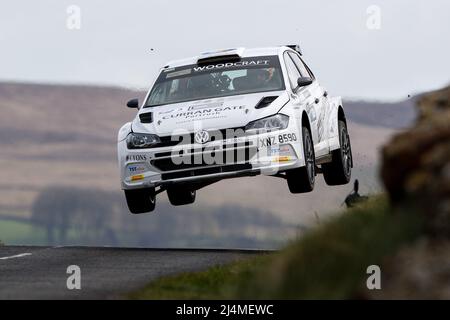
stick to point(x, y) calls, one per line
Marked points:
point(408, 53)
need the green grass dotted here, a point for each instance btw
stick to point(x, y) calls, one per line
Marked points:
point(27, 233)
point(329, 262)
point(18, 233)
point(215, 283)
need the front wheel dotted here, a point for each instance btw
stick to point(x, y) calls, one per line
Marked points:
point(179, 196)
point(141, 200)
point(301, 180)
point(339, 170)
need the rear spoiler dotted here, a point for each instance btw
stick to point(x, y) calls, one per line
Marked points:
point(295, 47)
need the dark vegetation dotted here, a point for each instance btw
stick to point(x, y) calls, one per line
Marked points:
point(329, 262)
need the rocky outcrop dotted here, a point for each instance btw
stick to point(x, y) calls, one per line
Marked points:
point(416, 163)
point(421, 271)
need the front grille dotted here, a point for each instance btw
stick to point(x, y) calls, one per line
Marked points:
point(205, 171)
point(170, 141)
point(193, 149)
point(204, 159)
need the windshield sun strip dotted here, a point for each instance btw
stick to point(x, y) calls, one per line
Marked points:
point(190, 71)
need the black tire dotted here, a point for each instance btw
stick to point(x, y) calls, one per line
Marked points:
point(339, 170)
point(301, 180)
point(179, 196)
point(141, 200)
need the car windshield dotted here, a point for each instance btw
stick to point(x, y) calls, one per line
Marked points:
point(218, 79)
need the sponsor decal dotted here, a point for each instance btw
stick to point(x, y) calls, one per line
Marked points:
point(279, 150)
point(232, 65)
point(193, 112)
point(242, 64)
point(282, 159)
point(273, 150)
point(205, 106)
point(137, 177)
point(136, 157)
point(136, 168)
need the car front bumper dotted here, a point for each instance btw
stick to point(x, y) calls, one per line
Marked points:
point(268, 153)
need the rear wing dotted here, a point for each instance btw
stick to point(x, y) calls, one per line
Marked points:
point(295, 47)
point(216, 56)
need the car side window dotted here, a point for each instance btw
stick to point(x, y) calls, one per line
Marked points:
point(300, 65)
point(309, 70)
point(292, 70)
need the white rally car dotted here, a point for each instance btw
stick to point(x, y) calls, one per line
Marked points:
point(232, 113)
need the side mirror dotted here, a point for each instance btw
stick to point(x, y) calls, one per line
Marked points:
point(304, 81)
point(133, 103)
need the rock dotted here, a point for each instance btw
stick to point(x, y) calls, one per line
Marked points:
point(433, 104)
point(421, 271)
point(416, 163)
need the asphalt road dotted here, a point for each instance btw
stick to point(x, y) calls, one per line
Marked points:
point(106, 273)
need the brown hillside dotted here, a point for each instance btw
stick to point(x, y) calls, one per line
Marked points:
point(65, 135)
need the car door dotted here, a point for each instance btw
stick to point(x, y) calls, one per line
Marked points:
point(304, 96)
point(321, 105)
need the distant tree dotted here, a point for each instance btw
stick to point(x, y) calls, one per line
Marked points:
point(88, 212)
point(50, 210)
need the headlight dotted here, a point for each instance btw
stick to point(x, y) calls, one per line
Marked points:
point(272, 123)
point(141, 140)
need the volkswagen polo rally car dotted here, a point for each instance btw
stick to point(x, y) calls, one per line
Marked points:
point(232, 113)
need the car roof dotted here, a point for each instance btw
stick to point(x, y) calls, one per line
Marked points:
point(243, 52)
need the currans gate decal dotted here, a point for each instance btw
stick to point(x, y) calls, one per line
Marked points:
point(194, 112)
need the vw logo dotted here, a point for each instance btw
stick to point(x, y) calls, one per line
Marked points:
point(201, 136)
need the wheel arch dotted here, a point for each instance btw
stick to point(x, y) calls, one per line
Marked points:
point(337, 114)
point(341, 117)
point(305, 120)
point(341, 114)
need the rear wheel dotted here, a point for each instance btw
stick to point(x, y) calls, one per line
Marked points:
point(339, 170)
point(179, 196)
point(141, 200)
point(301, 180)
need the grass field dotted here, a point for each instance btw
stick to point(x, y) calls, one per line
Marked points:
point(26, 233)
point(21, 233)
point(329, 262)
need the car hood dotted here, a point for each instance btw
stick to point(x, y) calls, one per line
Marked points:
point(211, 114)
